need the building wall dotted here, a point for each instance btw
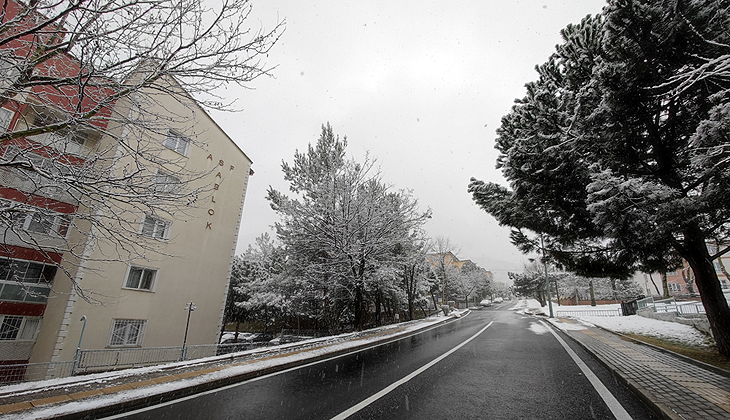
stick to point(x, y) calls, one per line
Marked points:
point(193, 264)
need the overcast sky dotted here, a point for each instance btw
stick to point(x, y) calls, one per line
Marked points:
point(421, 85)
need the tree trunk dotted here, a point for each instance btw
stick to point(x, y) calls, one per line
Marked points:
point(593, 293)
point(655, 286)
point(708, 284)
point(377, 309)
point(359, 319)
point(665, 285)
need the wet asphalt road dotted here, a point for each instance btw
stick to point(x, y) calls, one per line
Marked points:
point(514, 369)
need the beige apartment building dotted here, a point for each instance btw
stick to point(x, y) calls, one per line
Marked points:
point(143, 303)
point(186, 256)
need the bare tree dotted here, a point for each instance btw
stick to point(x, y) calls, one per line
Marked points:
point(98, 103)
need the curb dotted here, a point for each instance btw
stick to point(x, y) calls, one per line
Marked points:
point(151, 400)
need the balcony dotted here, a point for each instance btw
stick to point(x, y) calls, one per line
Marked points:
point(33, 183)
point(75, 144)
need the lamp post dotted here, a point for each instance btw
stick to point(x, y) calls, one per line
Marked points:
point(78, 348)
point(547, 282)
point(190, 307)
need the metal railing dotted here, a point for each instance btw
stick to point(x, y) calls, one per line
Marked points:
point(34, 372)
point(122, 358)
point(671, 305)
point(589, 312)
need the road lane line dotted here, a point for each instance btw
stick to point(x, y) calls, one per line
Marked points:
point(357, 407)
point(616, 408)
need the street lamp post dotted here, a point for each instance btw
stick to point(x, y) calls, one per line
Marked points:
point(78, 348)
point(190, 307)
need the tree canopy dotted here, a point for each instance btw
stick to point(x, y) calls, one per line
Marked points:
point(618, 153)
point(344, 231)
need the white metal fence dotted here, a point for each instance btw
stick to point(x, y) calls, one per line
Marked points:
point(671, 305)
point(589, 312)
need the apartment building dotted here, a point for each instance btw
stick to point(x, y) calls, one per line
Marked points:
point(59, 260)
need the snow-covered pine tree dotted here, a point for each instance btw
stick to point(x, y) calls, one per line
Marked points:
point(618, 154)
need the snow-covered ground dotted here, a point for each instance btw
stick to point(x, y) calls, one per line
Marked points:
point(636, 324)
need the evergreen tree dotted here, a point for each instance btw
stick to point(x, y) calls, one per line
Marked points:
point(341, 229)
point(618, 154)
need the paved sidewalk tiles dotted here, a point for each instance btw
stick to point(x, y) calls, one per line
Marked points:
point(679, 389)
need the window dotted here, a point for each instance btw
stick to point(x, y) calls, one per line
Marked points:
point(6, 116)
point(13, 327)
point(10, 327)
point(127, 332)
point(140, 278)
point(166, 183)
point(177, 142)
point(674, 287)
point(154, 228)
point(25, 281)
point(38, 220)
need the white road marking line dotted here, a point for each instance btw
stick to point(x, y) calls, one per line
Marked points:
point(616, 408)
point(354, 409)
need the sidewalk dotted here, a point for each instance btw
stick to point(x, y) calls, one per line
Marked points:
point(668, 383)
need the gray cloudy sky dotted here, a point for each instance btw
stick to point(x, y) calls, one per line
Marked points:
point(421, 85)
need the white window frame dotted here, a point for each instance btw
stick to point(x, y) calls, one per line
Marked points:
point(160, 227)
point(167, 183)
point(134, 268)
point(27, 329)
point(32, 288)
point(177, 142)
point(125, 327)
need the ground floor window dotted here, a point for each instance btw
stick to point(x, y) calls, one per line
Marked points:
point(127, 332)
point(15, 327)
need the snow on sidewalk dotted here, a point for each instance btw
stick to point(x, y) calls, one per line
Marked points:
point(634, 324)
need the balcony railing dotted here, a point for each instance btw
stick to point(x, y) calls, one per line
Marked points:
point(64, 144)
point(34, 184)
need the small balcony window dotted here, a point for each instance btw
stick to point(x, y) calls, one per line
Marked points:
point(155, 228)
point(177, 142)
point(140, 278)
